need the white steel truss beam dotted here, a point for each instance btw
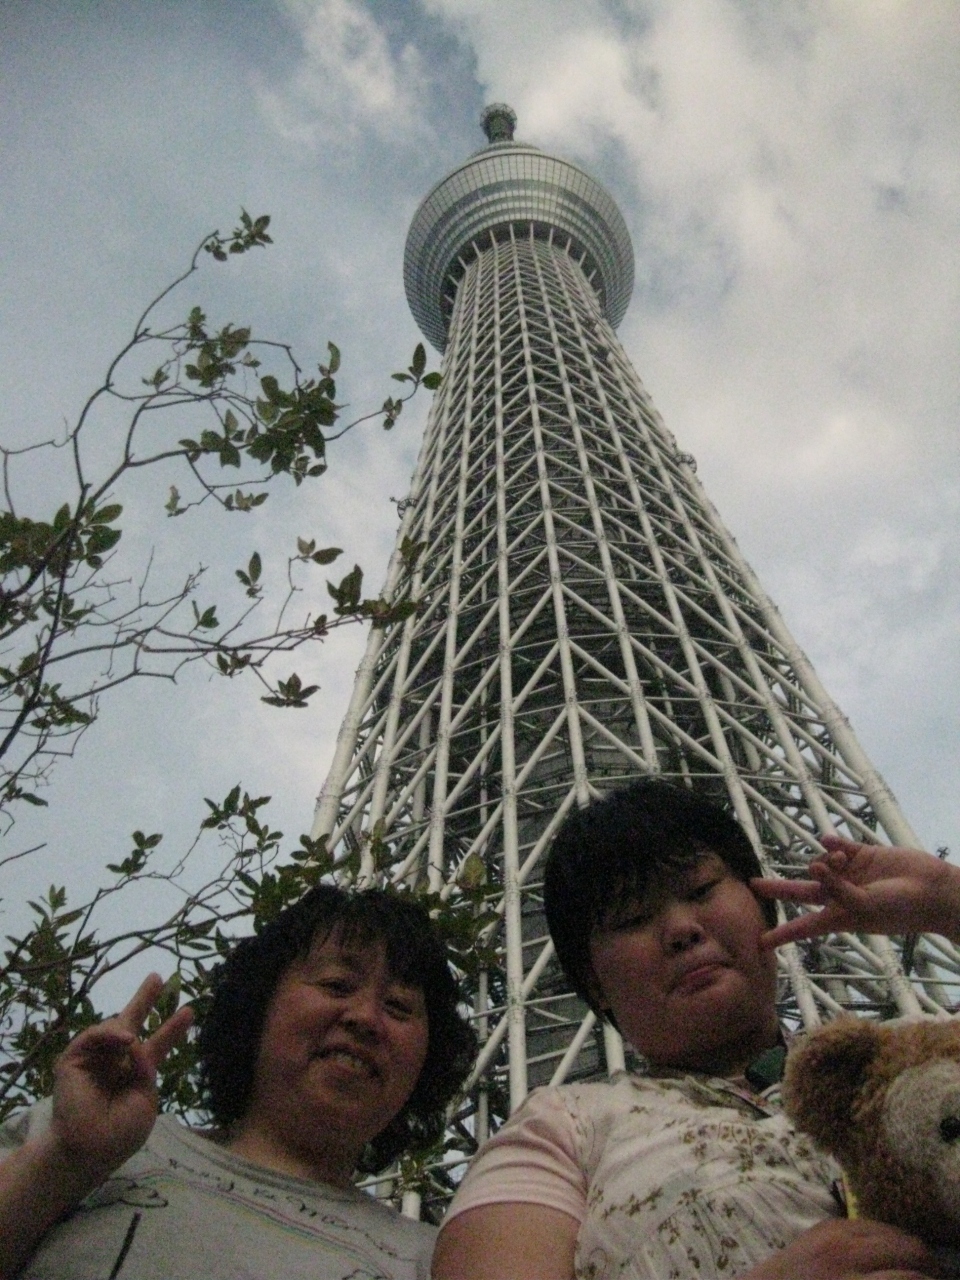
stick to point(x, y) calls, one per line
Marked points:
point(584, 617)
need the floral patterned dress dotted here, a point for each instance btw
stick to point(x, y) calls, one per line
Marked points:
point(669, 1176)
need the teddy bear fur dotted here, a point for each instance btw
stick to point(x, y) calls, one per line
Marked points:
point(884, 1100)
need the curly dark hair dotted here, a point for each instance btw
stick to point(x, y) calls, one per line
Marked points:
point(616, 850)
point(228, 1042)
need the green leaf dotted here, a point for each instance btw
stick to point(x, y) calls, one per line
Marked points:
point(432, 380)
point(146, 842)
point(102, 539)
point(472, 873)
point(291, 693)
point(347, 593)
point(411, 551)
point(107, 515)
point(254, 567)
point(207, 620)
point(419, 361)
point(327, 555)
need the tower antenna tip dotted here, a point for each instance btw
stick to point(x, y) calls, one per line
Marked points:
point(498, 122)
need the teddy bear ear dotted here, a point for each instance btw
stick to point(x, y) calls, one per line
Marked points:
point(823, 1075)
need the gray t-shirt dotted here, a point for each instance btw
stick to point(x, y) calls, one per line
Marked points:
point(184, 1208)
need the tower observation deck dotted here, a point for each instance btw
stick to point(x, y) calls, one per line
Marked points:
point(584, 617)
point(511, 187)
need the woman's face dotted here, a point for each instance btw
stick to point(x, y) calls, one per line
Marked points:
point(684, 975)
point(342, 1048)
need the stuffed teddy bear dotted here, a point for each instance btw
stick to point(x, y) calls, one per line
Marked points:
point(884, 1100)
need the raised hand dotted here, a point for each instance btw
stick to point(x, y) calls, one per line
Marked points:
point(105, 1090)
point(104, 1106)
point(868, 888)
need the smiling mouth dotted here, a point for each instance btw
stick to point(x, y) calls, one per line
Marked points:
point(349, 1059)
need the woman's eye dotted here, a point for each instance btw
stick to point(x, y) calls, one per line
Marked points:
point(334, 986)
point(636, 921)
point(701, 891)
point(401, 1008)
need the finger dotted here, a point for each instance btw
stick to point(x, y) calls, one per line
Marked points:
point(839, 844)
point(811, 924)
point(168, 1035)
point(134, 1015)
point(839, 889)
point(810, 891)
point(837, 859)
point(830, 864)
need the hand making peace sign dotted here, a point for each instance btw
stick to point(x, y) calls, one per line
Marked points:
point(868, 888)
point(105, 1090)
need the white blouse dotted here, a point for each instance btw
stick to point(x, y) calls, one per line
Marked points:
point(668, 1177)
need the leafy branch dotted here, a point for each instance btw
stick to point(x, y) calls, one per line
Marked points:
point(71, 627)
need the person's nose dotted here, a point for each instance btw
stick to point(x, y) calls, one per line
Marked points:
point(680, 926)
point(364, 1013)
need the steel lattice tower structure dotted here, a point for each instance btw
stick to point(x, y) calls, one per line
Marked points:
point(585, 617)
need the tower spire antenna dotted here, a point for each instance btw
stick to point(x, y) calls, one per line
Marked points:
point(498, 122)
point(584, 617)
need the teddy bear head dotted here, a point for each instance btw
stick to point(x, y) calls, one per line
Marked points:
point(884, 1100)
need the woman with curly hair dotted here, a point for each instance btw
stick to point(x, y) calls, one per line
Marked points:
point(332, 1044)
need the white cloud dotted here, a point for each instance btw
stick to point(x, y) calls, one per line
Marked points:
point(348, 80)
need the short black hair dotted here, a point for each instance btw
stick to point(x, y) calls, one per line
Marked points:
point(616, 850)
point(228, 1042)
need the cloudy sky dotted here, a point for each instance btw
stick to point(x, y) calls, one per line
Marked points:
point(790, 174)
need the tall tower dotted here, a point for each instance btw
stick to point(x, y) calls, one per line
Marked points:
point(584, 617)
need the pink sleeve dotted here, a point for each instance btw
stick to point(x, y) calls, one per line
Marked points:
point(532, 1160)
